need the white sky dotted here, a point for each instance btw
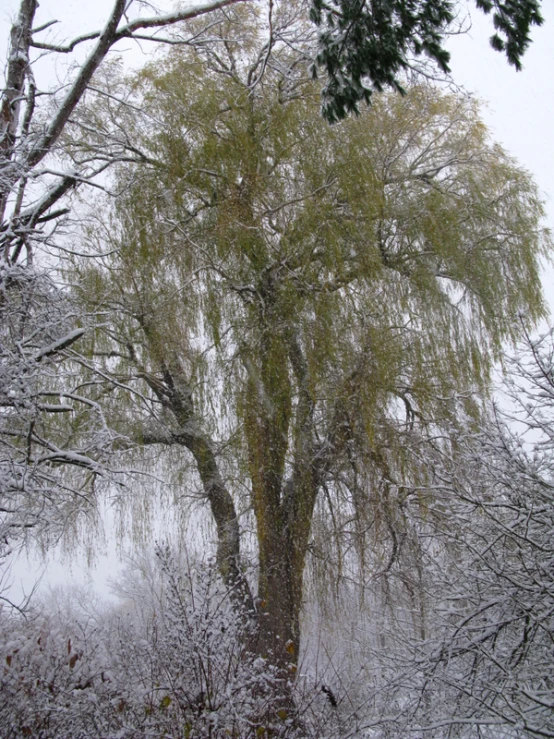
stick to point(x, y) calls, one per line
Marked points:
point(519, 105)
point(519, 113)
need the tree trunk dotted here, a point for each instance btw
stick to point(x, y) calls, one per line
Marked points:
point(283, 536)
point(279, 602)
point(13, 97)
point(174, 393)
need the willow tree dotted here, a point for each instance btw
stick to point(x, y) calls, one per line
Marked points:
point(290, 305)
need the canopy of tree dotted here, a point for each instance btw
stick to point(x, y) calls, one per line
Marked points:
point(299, 307)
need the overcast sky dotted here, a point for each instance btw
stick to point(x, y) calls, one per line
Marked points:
point(519, 107)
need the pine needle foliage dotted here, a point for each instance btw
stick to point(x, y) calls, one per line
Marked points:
point(367, 45)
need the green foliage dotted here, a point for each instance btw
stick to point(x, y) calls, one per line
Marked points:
point(398, 249)
point(319, 300)
point(365, 46)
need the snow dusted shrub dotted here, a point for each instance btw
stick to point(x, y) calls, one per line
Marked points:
point(54, 680)
point(173, 661)
point(206, 680)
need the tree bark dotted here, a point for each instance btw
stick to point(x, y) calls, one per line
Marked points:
point(283, 509)
point(13, 96)
point(176, 396)
point(282, 557)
